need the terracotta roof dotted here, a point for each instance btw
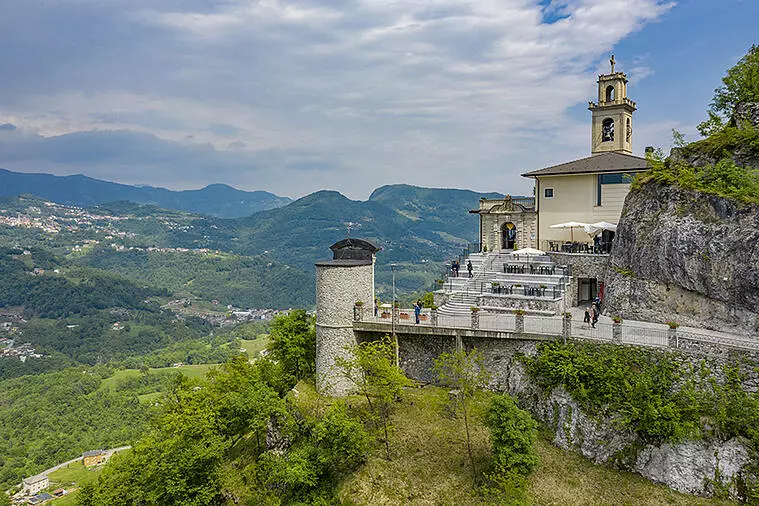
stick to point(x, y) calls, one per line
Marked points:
point(602, 162)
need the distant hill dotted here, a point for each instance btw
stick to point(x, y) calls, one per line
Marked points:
point(214, 200)
point(418, 228)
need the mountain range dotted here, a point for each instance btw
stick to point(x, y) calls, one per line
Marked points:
point(418, 229)
point(78, 190)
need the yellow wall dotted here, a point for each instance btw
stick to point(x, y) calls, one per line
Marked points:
point(575, 199)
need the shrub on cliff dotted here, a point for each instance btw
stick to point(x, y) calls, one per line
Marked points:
point(723, 179)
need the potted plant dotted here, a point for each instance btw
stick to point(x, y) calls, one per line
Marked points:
point(673, 324)
point(474, 309)
point(616, 319)
point(423, 317)
point(385, 314)
point(519, 312)
point(404, 316)
point(495, 284)
point(567, 315)
point(359, 303)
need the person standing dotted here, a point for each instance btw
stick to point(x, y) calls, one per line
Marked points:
point(593, 317)
point(417, 309)
point(587, 316)
point(469, 267)
point(376, 307)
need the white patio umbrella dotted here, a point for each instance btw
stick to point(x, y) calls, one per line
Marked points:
point(530, 252)
point(571, 225)
point(594, 228)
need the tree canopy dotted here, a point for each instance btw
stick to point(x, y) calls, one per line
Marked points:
point(740, 85)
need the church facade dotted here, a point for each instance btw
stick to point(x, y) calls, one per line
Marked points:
point(588, 190)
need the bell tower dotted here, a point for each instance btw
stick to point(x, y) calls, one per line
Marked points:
point(612, 115)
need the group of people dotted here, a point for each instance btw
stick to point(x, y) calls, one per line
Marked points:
point(456, 266)
point(593, 312)
point(418, 305)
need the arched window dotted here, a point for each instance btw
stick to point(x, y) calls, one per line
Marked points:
point(610, 93)
point(607, 131)
point(628, 130)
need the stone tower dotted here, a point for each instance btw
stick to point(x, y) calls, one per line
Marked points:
point(612, 115)
point(340, 283)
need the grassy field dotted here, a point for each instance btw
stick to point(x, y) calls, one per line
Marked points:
point(72, 476)
point(191, 371)
point(430, 465)
point(253, 347)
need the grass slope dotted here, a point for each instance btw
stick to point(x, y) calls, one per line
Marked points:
point(430, 466)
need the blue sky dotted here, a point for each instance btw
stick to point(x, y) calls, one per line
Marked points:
point(296, 96)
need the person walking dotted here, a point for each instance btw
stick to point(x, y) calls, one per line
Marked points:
point(596, 314)
point(587, 316)
point(593, 317)
point(417, 309)
point(469, 268)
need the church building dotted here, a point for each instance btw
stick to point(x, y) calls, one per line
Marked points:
point(588, 190)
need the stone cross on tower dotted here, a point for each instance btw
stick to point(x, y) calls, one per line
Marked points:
point(611, 60)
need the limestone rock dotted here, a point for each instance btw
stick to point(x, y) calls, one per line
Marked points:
point(685, 256)
point(693, 466)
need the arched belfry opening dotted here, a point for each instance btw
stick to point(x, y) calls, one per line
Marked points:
point(508, 236)
point(607, 130)
point(611, 127)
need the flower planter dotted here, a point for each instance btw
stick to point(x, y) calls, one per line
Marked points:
point(405, 316)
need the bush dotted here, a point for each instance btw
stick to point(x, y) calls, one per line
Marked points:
point(513, 433)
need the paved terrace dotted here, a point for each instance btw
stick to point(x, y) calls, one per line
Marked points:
point(541, 328)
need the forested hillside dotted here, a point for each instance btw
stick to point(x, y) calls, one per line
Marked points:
point(265, 260)
point(214, 200)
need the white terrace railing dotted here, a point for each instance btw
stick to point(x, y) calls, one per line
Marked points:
point(638, 334)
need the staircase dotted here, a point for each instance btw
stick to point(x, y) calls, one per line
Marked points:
point(463, 291)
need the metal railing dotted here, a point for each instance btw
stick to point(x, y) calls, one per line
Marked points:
point(646, 335)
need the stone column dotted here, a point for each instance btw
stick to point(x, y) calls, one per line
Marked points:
point(396, 315)
point(616, 333)
point(475, 320)
point(672, 340)
point(566, 327)
point(519, 329)
point(433, 317)
point(358, 313)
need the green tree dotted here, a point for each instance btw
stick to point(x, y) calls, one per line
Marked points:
point(466, 373)
point(740, 84)
point(513, 433)
point(372, 369)
point(4, 499)
point(179, 462)
point(293, 344)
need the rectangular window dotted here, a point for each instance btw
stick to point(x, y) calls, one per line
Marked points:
point(618, 178)
point(548, 193)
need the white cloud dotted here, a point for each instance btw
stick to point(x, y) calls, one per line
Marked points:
point(430, 92)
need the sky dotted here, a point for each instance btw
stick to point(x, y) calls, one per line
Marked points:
point(297, 96)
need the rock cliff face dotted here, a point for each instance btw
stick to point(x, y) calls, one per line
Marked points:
point(684, 256)
point(693, 467)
